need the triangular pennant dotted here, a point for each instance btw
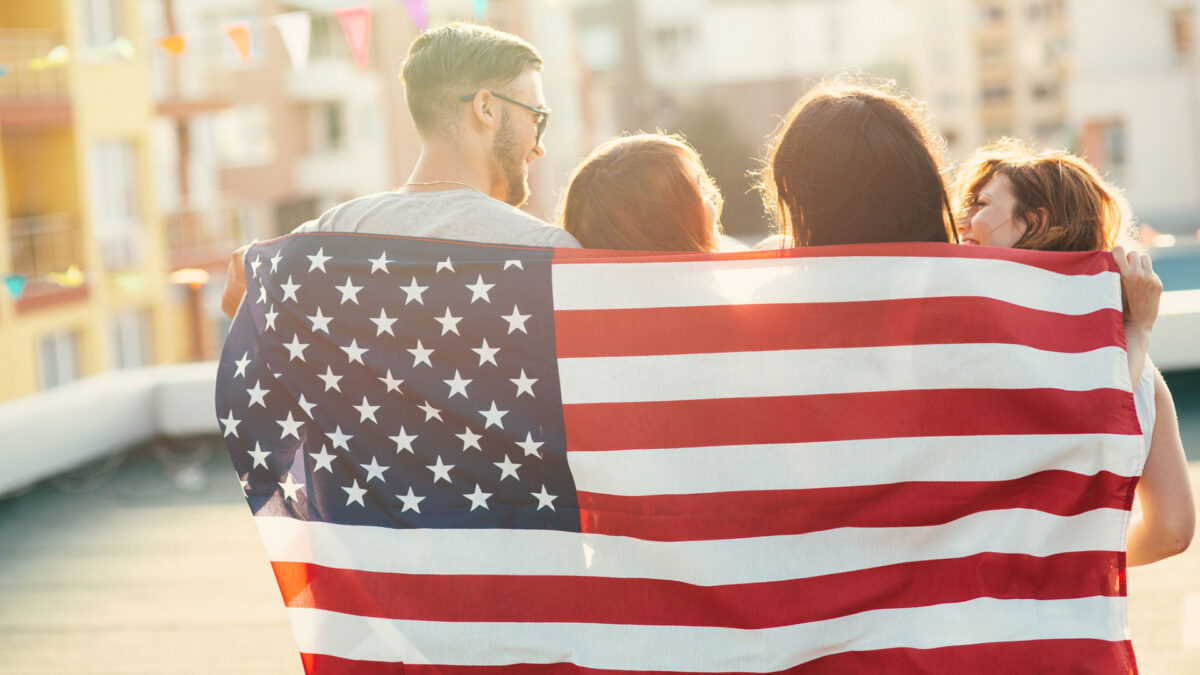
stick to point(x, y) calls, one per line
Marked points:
point(479, 7)
point(120, 47)
point(15, 284)
point(3, 70)
point(296, 30)
point(356, 22)
point(239, 34)
point(172, 44)
point(418, 13)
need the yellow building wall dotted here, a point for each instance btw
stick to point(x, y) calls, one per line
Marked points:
point(40, 172)
point(45, 14)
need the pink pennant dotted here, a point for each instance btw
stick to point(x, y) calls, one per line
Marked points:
point(418, 13)
point(239, 34)
point(356, 22)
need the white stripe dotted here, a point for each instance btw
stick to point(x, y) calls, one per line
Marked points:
point(687, 377)
point(705, 649)
point(706, 563)
point(729, 282)
point(802, 466)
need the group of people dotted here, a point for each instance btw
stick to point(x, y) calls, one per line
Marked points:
point(851, 163)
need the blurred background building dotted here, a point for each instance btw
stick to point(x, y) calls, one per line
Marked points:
point(131, 170)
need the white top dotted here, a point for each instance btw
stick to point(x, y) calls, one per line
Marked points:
point(1143, 399)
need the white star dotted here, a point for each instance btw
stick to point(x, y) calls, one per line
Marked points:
point(440, 471)
point(524, 384)
point(366, 410)
point(258, 395)
point(447, 265)
point(411, 501)
point(241, 365)
point(513, 263)
point(480, 290)
point(420, 354)
point(478, 498)
point(355, 493)
point(516, 321)
point(449, 323)
point(230, 425)
point(383, 324)
point(289, 289)
point(458, 385)
point(270, 315)
point(331, 380)
point(431, 412)
point(544, 498)
point(324, 460)
point(403, 441)
point(290, 427)
point(486, 353)
point(354, 352)
point(262, 295)
point(413, 291)
point(470, 439)
point(379, 264)
point(318, 260)
point(508, 468)
point(349, 292)
point(306, 406)
point(392, 384)
point(320, 322)
point(374, 470)
point(260, 456)
point(254, 265)
point(245, 486)
point(296, 348)
point(275, 261)
point(339, 439)
point(530, 446)
point(290, 488)
point(493, 416)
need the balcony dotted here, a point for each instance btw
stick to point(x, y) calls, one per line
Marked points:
point(203, 237)
point(190, 83)
point(42, 246)
point(30, 97)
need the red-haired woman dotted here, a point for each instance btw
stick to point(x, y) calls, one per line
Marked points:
point(647, 192)
point(1013, 197)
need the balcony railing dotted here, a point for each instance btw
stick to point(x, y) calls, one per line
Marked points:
point(197, 237)
point(22, 83)
point(44, 245)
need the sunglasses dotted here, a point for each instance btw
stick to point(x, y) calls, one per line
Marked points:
point(543, 114)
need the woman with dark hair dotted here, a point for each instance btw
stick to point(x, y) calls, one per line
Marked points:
point(854, 164)
point(1012, 197)
point(647, 192)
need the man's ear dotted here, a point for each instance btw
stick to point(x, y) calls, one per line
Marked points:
point(485, 109)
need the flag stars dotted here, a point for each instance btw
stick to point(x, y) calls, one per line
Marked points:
point(493, 416)
point(241, 365)
point(524, 384)
point(289, 290)
point(275, 262)
point(231, 426)
point(323, 459)
point(478, 498)
point(383, 324)
point(296, 349)
point(513, 263)
point(349, 292)
point(354, 352)
point(544, 499)
point(403, 441)
point(366, 411)
point(379, 264)
point(391, 383)
point(449, 322)
point(331, 380)
point(260, 456)
point(440, 471)
point(374, 470)
point(354, 494)
point(411, 502)
point(291, 427)
point(290, 488)
point(508, 468)
point(270, 315)
point(306, 406)
point(530, 446)
point(414, 291)
point(254, 265)
point(469, 439)
point(486, 354)
point(318, 261)
point(339, 439)
point(421, 355)
point(444, 265)
point(479, 290)
point(262, 295)
point(258, 395)
point(516, 321)
point(320, 322)
point(431, 412)
point(458, 385)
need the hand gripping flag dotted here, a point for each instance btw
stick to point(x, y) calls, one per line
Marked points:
point(892, 458)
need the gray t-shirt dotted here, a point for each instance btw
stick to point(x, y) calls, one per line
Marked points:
point(462, 215)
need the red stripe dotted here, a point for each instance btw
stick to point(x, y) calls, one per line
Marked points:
point(562, 599)
point(1080, 657)
point(1074, 263)
point(730, 515)
point(838, 417)
point(737, 328)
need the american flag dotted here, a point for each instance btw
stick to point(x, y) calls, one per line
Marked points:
point(890, 458)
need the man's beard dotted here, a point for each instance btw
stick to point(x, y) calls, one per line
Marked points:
point(508, 166)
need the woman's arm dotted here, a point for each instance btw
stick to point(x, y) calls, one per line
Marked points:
point(1168, 518)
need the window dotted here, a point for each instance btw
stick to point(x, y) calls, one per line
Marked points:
point(116, 203)
point(1104, 144)
point(101, 21)
point(996, 93)
point(327, 127)
point(243, 136)
point(57, 359)
point(130, 334)
point(1182, 34)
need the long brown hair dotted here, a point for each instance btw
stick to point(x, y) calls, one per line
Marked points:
point(854, 163)
point(1066, 204)
point(634, 193)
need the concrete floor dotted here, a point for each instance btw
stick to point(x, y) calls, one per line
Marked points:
point(154, 566)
